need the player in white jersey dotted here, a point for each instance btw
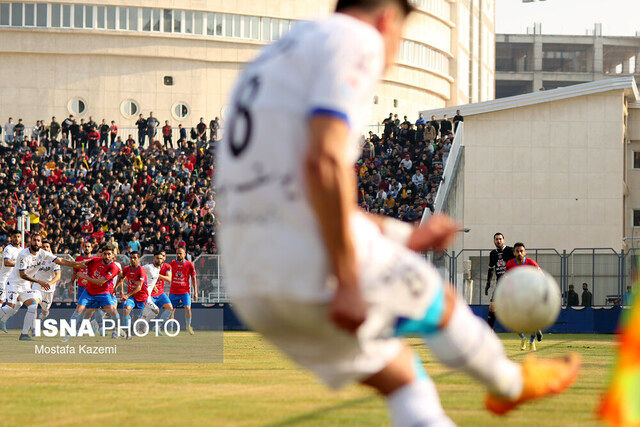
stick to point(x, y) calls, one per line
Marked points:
point(19, 291)
point(9, 255)
point(50, 273)
point(158, 270)
point(331, 286)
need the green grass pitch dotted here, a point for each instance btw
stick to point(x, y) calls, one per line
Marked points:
point(257, 386)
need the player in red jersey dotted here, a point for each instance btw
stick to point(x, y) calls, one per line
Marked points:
point(180, 290)
point(137, 293)
point(87, 248)
point(521, 260)
point(99, 278)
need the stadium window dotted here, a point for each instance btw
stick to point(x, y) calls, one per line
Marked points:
point(88, 16)
point(111, 17)
point(77, 106)
point(180, 110)
point(211, 26)
point(156, 19)
point(100, 21)
point(55, 15)
point(122, 18)
point(146, 19)
point(66, 16)
point(636, 159)
point(129, 108)
point(636, 217)
point(255, 27)
point(188, 22)
point(29, 12)
point(236, 26)
point(133, 19)
point(177, 21)
point(266, 28)
point(167, 17)
point(218, 24)
point(5, 13)
point(228, 25)
point(78, 15)
point(246, 27)
point(275, 29)
point(16, 14)
point(197, 27)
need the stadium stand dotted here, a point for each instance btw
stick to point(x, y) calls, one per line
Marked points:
point(105, 189)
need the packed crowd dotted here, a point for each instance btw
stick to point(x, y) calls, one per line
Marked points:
point(82, 182)
point(140, 198)
point(399, 173)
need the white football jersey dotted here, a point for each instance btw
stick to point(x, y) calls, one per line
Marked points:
point(270, 242)
point(26, 261)
point(153, 273)
point(46, 272)
point(10, 252)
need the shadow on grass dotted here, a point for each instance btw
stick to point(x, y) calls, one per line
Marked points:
point(311, 415)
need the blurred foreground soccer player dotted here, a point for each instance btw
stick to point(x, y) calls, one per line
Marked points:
point(332, 286)
point(521, 260)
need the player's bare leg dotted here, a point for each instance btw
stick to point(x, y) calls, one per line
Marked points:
point(6, 312)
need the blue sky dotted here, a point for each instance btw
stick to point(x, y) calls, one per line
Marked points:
point(618, 17)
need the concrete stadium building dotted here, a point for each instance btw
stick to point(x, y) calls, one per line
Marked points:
point(116, 59)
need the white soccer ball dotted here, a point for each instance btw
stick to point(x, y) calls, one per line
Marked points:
point(527, 299)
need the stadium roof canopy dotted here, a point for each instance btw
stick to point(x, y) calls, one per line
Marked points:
point(627, 84)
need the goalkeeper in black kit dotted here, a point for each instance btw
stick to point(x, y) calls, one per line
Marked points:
point(498, 259)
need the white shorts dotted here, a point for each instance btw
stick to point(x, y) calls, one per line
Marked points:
point(15, 294)
point(47, 300)
point(396, 283)
point(3, 290)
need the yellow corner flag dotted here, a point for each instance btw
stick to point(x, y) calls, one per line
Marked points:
point(621, 404)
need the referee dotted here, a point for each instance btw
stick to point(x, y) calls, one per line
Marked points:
point(498, 259)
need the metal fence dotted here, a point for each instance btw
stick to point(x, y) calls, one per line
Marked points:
point(606, 271)
point(210, 288)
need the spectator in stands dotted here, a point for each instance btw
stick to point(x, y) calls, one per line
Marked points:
point(74, 134)
point(445, 127)
point(167, 134)
point(571, 297)
point(19, 131)
point(183, 136)
point(134, 244)
point(54, 128)
point(152, 127)
point(201, 129)
point(113, 132)
point(104, 133)
point(141, 123)
point(93, 140)
point(457, 119)
point(214, 125)
point(9, 131)
point(91, 124)
point(66, 123)
point(435, 124)
point(587, 297)
point(421, 120)
point(388, 125)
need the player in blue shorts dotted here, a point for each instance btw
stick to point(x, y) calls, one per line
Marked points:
point(136, 296)
point(180, 292)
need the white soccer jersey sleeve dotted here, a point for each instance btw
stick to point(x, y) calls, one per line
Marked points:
point(348, 65)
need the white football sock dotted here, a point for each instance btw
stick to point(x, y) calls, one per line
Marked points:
point(417, 404)
point(32, 311)
point(467, 343)
point(7, 311)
